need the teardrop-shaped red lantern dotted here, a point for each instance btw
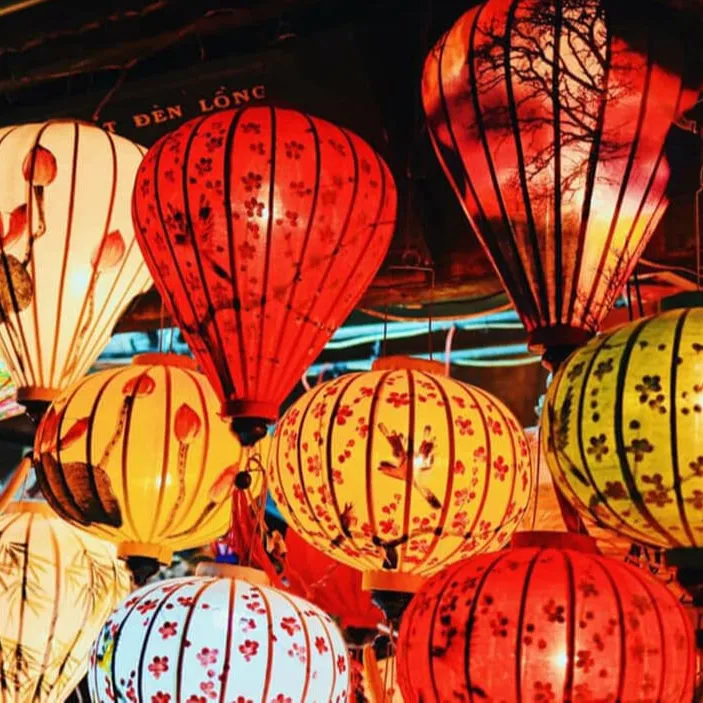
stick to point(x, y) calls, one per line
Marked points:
point(262, 228)
point(550, 125)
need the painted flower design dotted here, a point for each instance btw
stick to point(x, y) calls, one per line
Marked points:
point(321, 645)
point(501, 468)
point(398, 400)
point(658, 494)
point(109, 252)
point(343, 412)
point(39, 166)
point(464, 425)
point(168, 629)
point(161, 697)
point(207, 656)
point(290, 625)
point(598, 447)
point(615, 490)
point(249, 649)
point(341, 663)
point(158, 666)
point(187, 424)
point(139, 386)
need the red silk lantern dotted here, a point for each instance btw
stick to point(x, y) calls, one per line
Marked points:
point(557, 155)
point(334, 587)
point(548, 620)
point(262, 228)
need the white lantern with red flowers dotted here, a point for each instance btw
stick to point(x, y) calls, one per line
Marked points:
point(219, 637)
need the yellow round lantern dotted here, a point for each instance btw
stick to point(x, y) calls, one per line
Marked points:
point(139, 455)
point(400, 471)
point(623, 426)
point(57, 587)
point(69, 263)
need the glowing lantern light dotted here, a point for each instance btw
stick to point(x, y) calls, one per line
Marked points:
point(58, 587)
point(262, 228)
point(219, 638)
point(557, 155)
point(69, 263)
point(621, 428)
point(139, 455)
point(548, 620)
point(400, 472)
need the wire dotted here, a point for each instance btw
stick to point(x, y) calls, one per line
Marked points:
point(448, 350)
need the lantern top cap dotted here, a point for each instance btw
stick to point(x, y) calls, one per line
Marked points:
point(233, 571)
point(157, 359)
point(399, 362)
point(555, 540)
point(30, 506)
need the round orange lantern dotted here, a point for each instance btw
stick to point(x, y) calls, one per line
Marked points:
point(262, 228)
point(550, 120)
point(139, 455)
point(400, 471)
point(548, 620)
point(69, 263)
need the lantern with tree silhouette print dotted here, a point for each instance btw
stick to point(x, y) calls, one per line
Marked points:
point(550, 119)
point(58, 585)
point(69, 264)
point(139, 455)
point(547, 620)
point(621, 429)
point(400, 471)
point(219, 637)
point(262, 228)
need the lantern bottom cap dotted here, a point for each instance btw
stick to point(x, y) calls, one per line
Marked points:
point(255, 409)
point(37, 394)
point(233, 571)
point(391, 581)
point(162, 554)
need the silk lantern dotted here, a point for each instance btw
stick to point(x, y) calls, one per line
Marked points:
point(399, 472)
point(140, 456)
point(621, 427)
point(69, 263)
point(262, 228)
point(218, 638)
point(57, 587)
point(550, 120)
point(548, 620)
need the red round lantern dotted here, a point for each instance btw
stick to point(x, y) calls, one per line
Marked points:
point(550, 118)
point(548, 620)
point(262, 227)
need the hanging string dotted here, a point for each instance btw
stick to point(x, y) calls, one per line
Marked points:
point(629, 300)
point(448, 350)
point(537, 472)
point(110, 94)
point(162, 331)
point(638, 292)
point(384, 344)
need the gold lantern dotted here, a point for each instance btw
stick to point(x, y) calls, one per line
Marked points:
point(139, 455)
point(400, 471)
point(622, 428)
point(69, 263)
point(57, 587)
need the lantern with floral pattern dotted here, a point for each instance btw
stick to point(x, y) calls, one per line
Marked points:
point(69, 263)
point(547, 620)
point(401, 471)
point(57, 587)
point(622, 425)
point(220, 638)
point(139, 455)
point(262, 228)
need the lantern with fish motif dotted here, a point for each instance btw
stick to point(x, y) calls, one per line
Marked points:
point(139, 455)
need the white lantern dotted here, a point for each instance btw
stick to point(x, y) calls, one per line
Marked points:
point(219, 638)
point(57, 587)
point(69, 264)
